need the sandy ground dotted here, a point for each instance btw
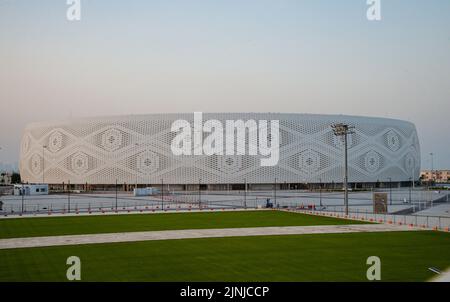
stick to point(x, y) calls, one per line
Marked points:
point(189, 234)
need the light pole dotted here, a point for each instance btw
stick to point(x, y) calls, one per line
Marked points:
point(137, 145)
point(199, 194)
point(275, 192)
point(162, 194)
point(432, 167)
point(410, 187)
point(343, 130)
point(43, 163)
point(68, 196)
point(23, 196)
point(245, 193)
point(116, 194)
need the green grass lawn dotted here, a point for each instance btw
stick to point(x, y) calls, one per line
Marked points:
point(405, 256)
point(49, 226)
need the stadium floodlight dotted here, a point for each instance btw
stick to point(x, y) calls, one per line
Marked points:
point(343, 130)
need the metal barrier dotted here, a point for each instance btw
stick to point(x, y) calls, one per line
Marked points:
point(420, 221)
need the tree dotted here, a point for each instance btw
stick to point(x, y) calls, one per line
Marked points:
point(15, 178)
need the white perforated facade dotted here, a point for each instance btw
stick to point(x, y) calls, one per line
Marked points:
point(133, 149)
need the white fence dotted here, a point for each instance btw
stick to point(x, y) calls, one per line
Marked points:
point(421, 221)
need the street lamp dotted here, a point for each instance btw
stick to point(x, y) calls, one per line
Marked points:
point(343, 130)
point(275, 192)
point(116, 193)
point(199, 194)
point(162, 194)
point(410, 186)
point(68, 195)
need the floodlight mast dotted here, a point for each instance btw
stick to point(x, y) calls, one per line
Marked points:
point(343, 130)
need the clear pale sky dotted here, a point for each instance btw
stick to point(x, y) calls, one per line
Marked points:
point(315, 56)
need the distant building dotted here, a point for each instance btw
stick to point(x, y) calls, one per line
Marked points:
point(439, 176)
point(27, 189)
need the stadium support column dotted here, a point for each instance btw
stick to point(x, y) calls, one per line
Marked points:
point(343, 130)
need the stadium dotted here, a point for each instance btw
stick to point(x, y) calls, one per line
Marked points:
point(136, 150)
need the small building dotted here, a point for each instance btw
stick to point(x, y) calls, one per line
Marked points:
point(438, 176)
point(31, 189)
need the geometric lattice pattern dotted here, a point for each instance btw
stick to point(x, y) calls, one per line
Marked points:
point(137, 148)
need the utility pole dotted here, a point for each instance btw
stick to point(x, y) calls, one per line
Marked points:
point(343, 130)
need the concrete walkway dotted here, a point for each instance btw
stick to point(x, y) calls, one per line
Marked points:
point(198, 233)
